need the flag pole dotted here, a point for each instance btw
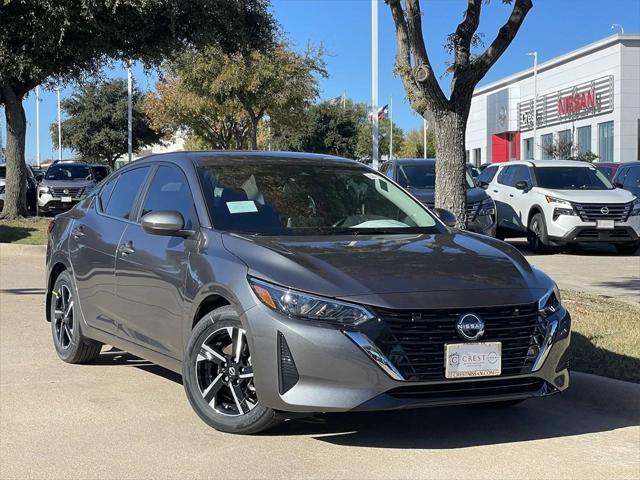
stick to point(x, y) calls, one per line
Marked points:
point(38, 125)
point(391, 128)
point(59, 126)
point(374, 81)
point(344, 100)
point(129, 113)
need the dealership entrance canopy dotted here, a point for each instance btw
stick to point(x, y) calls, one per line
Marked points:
point(588, 103)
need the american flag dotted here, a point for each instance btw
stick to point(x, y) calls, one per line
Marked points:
point(383, 112)
point(335, 101)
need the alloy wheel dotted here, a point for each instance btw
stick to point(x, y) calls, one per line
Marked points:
point(224, 372)
point(64, 323)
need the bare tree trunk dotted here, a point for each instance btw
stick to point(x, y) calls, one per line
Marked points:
point(253, 133)
point(451, 164)
point(15, 195)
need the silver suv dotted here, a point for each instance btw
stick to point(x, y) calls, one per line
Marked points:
point(63, 186)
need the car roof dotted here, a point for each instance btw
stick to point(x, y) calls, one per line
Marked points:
point(547, 163)
point(213, 157)
point(428, 161)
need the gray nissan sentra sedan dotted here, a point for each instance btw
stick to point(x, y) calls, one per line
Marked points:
point(283, 284)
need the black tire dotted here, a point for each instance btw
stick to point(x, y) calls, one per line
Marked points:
point(537, 235)
point(66, 327)
point(627, 248)
point(208, 377)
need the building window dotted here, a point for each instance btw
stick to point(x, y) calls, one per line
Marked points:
point(528, 148)
point(584, 139)
point(477, 156)
point(546, 144)
point(605, 142)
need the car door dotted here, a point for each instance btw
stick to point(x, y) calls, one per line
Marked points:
point(631, 180)
point(151, 269)
point(499, 189)
point(518, 199)
point(92, 246)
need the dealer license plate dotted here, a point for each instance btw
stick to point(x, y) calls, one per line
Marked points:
point(463, 360)
point(605, 224)
point(66, 199)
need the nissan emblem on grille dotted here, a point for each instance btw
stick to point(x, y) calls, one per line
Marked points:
point(470, 327)
point(65, 191)
point(604, 210)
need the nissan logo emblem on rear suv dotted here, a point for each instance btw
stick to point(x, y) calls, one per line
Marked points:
point(470, 327)
point(604, 210)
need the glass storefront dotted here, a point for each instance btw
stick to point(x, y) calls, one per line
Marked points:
point(546, 145)
point(584, 139)
point(605, 142)
point(528, 148)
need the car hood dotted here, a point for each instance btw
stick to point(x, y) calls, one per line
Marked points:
point(388, 270)
point(67, 183)
point(617, 195)
point(427, 195)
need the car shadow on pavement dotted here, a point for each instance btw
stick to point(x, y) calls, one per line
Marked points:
point(628, 283)
point(119, 358)
point(457, 427)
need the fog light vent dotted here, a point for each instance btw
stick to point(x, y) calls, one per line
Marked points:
point(287, 371)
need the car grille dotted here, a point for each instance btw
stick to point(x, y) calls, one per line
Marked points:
point(70, 191)
point(472, 209)
point(414, 341)
point(590, 212)
point(593, 234)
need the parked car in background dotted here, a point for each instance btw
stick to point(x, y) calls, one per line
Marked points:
point(418, 176)
point(473, 170)
point(38, 173)
point(63, 186)
point(608, 168)
point(100, 172)
point(628, 177)
point(560, 202)
point(286, 284)
point(32, 186)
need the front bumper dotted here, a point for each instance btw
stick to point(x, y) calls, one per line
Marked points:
point(571, 229)
point(50, 203)
point(335, 374)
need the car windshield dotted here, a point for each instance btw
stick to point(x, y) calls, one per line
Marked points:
point(423, 176)
point(309, 199)
point(3, 171)
point(68, 172)
point(100, 172)
point(572, 178)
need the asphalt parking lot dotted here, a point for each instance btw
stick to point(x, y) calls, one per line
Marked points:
point(122, 417)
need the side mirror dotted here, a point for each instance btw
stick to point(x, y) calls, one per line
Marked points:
point(447, 216)
point(522, 185)
point(165, 222)
point(38, 177)
point(617, 185)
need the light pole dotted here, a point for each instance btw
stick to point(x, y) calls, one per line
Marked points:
point(391, 129)
point(617, 25)
point(535, 98)
point(129, 112)
point(374, 81)
point(38, 125)
point(424, 138)
point(59, 126)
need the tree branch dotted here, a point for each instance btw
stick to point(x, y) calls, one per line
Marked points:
point(505, 36)
point(464, 34)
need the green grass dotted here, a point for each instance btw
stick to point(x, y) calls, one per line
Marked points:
point(25, 231)
point(606, 335)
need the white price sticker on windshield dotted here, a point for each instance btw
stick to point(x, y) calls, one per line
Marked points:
point(242, 206)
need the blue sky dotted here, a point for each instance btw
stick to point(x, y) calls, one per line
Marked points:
point(553, 27)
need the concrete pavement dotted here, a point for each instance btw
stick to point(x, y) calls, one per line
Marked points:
point(122, 417)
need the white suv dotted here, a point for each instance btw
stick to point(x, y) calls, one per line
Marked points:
point(556, 202)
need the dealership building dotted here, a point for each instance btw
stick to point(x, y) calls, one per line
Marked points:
point(588, 99)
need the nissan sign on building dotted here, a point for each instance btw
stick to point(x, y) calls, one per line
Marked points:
point(587, 100)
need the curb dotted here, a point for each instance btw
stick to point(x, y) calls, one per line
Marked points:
point(606, 394)
point(17, 250)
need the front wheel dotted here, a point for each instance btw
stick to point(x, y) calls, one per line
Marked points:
point(217, 373)
point(537, 235)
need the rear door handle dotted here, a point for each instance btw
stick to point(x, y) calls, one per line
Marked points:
point(126, 249)
point(77, 232)
point(511, 195)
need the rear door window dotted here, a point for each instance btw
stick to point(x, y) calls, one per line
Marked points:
point(125, 192)
point(633, 178)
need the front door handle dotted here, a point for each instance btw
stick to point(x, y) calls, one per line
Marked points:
point(495, 191)
point(77, 232)
point(511, 195)
point(126, 249)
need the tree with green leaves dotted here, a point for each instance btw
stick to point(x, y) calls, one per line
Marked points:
point(324, 128)
point(96, 126)
point(49, 41)
point(413, 145)
point(449, 114)
point(364, 145)
point(223, 97)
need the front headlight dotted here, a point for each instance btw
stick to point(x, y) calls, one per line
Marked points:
point(550, 302)
point(550, 199)
point(309, 307)
point(43, 189)
point(487, 207)
point(635, 207)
